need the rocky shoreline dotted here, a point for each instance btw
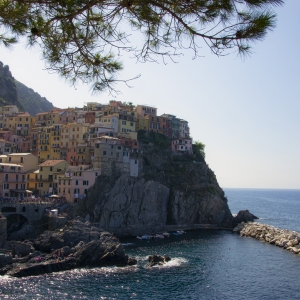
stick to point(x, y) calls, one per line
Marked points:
point(81, 244)
point(287, 239)
point(78, 244)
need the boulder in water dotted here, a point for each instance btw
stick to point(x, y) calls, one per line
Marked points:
point(155, 260)
point(243, 216)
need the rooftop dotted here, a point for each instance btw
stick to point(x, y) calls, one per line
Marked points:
point(50, 162)
point(19, 154)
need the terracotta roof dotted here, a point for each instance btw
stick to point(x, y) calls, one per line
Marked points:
point(23, 114)
point(50, 162)
point(42, 113)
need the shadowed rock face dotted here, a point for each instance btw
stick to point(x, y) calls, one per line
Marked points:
point(76, 245)
point(166, 192)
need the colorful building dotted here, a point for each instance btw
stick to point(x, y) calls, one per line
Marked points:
point(14, 169)
point(45, 178)
point(183, 146)
point(73, 185)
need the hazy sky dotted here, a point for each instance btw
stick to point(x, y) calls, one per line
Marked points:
point(246, 111)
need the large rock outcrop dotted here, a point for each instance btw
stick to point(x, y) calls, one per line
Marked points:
point(76, 245)
point(170, 190)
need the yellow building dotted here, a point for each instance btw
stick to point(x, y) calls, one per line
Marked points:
point(142, 122)
point(8, 110)
point(47, 118)
point(52, 118)
point(32, 180)
point(41, 118)
point(76, 134)
point(19, 123)
point(127, 123)
point(44, 143)
point(55, 142)
point(45, 178)
point(64, 136)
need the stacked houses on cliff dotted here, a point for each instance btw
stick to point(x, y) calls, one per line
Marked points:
point(63, 151)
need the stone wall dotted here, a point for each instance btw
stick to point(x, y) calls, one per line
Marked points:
point(32, 212)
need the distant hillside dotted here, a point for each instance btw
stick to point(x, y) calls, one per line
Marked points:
point(13, 92)
point(32, 101)
point(8, 88)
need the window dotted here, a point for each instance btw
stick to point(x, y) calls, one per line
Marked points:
point(51, 169)
point(123, 122)
point(41, 168)
point(76, 182)
point(85, 182)
point(104, 152)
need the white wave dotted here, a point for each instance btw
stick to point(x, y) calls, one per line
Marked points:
point(174, 262)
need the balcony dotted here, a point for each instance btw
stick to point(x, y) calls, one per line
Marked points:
point(39, 180)
point(10, 171)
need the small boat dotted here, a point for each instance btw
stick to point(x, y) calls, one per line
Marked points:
point(175, 233)
point(146, 237)
point(159, 236)
point(139, 237)
point(166, 234)
point(127, 244)
point(181, 231)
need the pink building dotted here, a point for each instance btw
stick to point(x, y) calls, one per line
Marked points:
point(182, 146)
point(76, 181)
point(14, 169)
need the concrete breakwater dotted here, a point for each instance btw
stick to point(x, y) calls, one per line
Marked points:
point(284, 238)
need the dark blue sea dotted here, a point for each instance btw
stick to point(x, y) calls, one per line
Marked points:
point(204, 265)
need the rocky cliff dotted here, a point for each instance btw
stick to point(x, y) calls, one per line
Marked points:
point(13, 92)
point(170, 190)
point(8, 88)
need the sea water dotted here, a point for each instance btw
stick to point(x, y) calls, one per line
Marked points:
point(204, 264)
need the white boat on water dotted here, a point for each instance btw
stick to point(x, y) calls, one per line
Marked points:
point(146, 237)
point(166, 233)
point(159, 236)
point(180, 232)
